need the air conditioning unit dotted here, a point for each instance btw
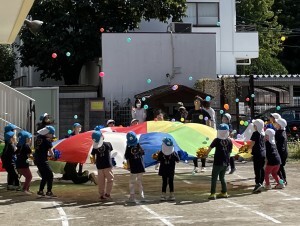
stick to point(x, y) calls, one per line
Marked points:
point(178, 27)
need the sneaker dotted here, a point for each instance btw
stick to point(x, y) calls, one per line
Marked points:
point(222, 195)
point(18, 188)
point(27, 192)
point(93, 178)
point(232, 171)
point(41, 194)
point(102, 198)
point(203, 169)
point(107, 196)
point(132, 199)
point(85, 173)
point(279, 186)
point(257, 188)
point(156, 167)
point(11, 188)
point(50, 195)
point(212, 197)
point(172, 197)
point(163, 197)
point(268, 187)
point(196, 170)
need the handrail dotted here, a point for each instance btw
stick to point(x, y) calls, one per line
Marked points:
point(22, 94)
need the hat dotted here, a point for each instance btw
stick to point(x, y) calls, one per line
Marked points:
point(134, 120)
point(259, 125)
point(98, 128)
point(282, 122)
point(43, 116)
point(22, 136)
point(271, 134)
point(131, 139)
point(228, 116)
point(276, 115)
point(97, 139)
point(76, 124)
point(167, 146)
point(47, 130)
point(110, 121)
point(223, 131)
point(8, 135)
point(9, 127)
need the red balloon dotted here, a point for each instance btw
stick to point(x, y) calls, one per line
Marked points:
point(295, 128)
point(54, 55)
point(101, 74)
point(101, 29)
point(247, 99)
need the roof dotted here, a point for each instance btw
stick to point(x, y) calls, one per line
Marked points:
point(260, 76)
point(167, 89)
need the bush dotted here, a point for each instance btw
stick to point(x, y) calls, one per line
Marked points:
point(294, 149)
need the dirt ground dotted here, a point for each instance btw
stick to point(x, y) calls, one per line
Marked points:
point(79, 205)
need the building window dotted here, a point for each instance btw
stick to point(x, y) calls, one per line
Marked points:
point(202, 14)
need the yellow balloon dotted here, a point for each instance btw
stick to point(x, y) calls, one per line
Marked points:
point(282, 38)
point(182, 119)
point(242, 122)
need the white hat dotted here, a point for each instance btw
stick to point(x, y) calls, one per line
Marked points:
point(276, 115)
point(282, 122)
point(110, 121)
point(259, 125)
point(271, 134)
point(167, 146)
point(223, 131)
point(227, 115)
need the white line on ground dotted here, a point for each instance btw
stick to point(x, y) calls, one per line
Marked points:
point(162, 219)
point(185, 181)
point(63, 215)
point(254, 211)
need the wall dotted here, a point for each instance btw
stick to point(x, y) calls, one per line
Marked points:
point(128, 65)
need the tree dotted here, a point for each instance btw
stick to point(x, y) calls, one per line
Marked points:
point(7, 63)
point(71, 29)
point(259, 13)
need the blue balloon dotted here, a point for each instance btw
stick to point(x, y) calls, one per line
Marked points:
point(208, 98)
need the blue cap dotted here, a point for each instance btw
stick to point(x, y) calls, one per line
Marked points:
point(8, 135)
point(22, 136)
point(51, 129)
point(9, 127)
point(131, 139)
point(76, 124)
point(43, 116)
point(223, 126)
point(96, 135)
point(98, 128)
point(168, 141)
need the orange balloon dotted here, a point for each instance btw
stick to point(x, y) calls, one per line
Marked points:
point(226, 106)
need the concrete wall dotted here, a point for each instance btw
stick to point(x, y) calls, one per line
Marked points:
point(128, 65)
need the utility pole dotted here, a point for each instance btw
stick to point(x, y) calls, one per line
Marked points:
point(251, 85)
point(237, 110)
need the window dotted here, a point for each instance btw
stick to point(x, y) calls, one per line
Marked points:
point(202, 14)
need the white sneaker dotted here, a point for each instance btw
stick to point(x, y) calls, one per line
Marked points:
point(196, 169)
point(268, 187)
point(163, 197)
point(279, 186)
point(172, 197)
point(203, 169)
point(27, 192)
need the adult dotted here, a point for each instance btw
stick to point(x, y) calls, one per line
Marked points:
point(138, 112)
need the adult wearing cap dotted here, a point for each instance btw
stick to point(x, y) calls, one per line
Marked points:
point(102, 153)
point(8, 160)
point(199, 115)
point(134, 157)
point(282, 147)
point(22, 164)
point(223, 145)
point(167, 158)
point(259, 153)
point(44, 121)
point(43, 148)
point(110, 123)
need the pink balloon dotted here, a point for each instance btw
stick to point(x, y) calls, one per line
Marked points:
point(54, 55)
point(101, 74)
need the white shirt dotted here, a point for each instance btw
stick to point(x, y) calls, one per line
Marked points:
point(212, 114)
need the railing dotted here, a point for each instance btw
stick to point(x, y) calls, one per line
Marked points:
point(16, 108)
point(245, 28)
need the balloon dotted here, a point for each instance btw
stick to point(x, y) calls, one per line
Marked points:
point(128, 40)
point(226, 107)
point(252, 95)
point(101, 29)
point(143, 98)
point(242, 122)
point(282, 38)
point(294, 128)
point(246, 123)
point(175, 87)
point(54, 55)
point(237, 100)
point(182, 119)
point(190, 78)
point(208, 98)
point(146, 106)
point(75, 116)
point(200, 117)
point(207, 138)
point(221, 112)
point(205, 118)
point(149, 80)
point(68, 54)
point(247, 99)
point(278, 108)
point(69, 131)
point(218, 23)
point(173, 120)
point(101, 74)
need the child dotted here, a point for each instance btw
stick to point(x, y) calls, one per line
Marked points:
point(211, 112)
point(223, 145)
point(167, 158)
point(43, 148)
point(259, 153)
point(8, 159)
point(281, 143)
point(272, 118)
point(134, 156)
point(227, 120)
point(101, 150)
point(273, 159)
point(22, 164)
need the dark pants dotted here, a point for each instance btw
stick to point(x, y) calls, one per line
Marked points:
point(218, 171)
point(203, 161)
point(12, 175)
point(71, 174)
point(232, 163)
point(281, 172)
point(167, 180)
point(47, 176)
point(259, 171)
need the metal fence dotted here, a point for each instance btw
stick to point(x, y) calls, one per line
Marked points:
point(16, 108)
point(119, 109)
